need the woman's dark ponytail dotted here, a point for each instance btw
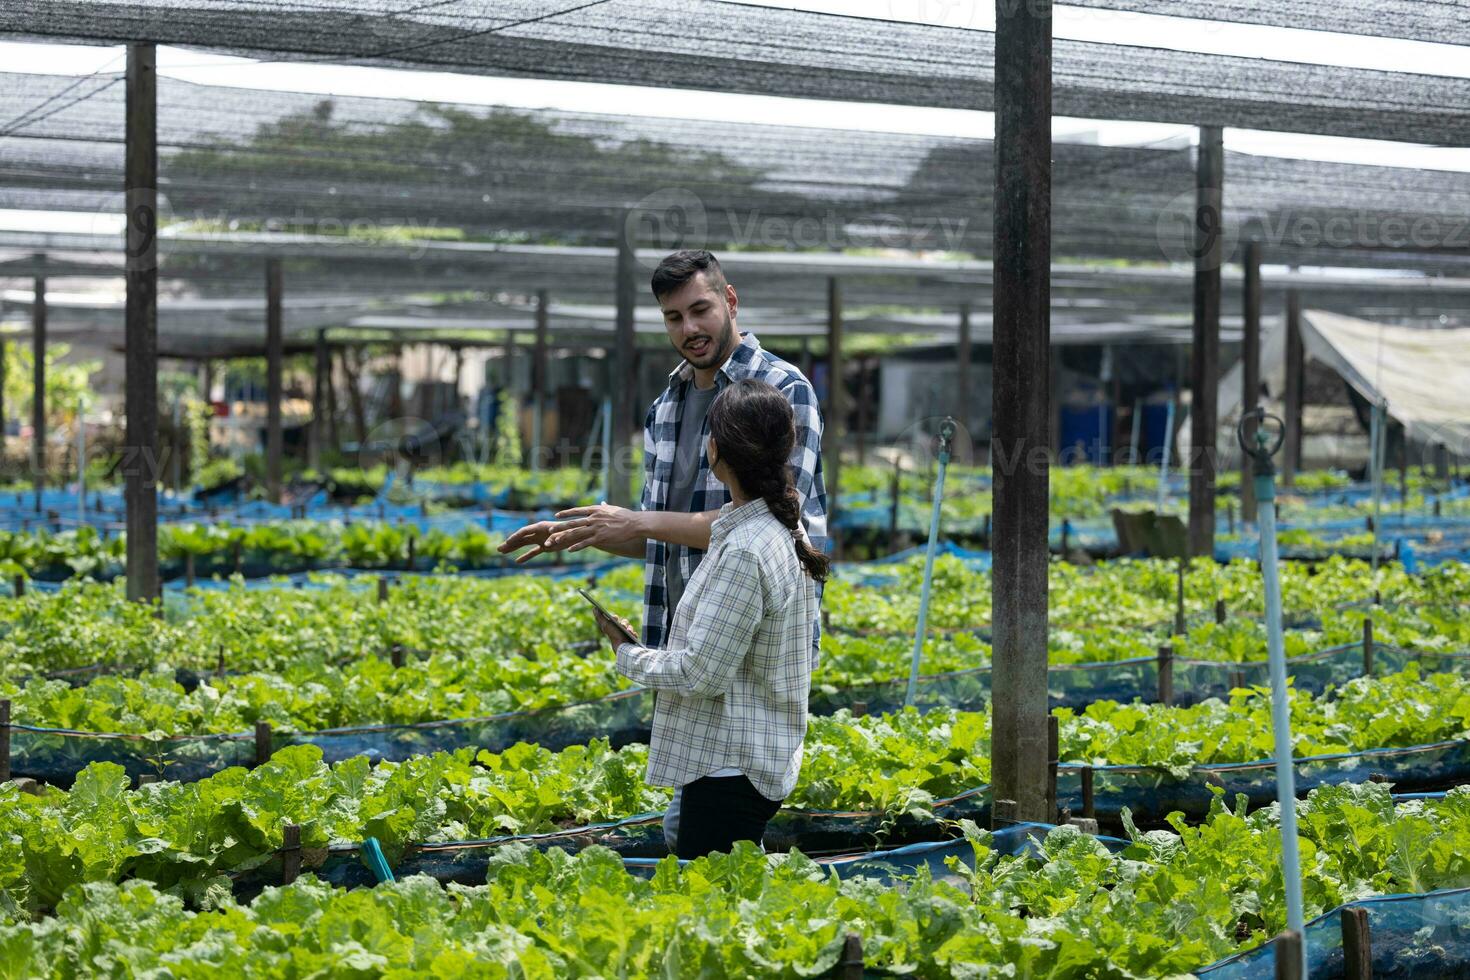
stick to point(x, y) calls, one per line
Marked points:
point(755, 430)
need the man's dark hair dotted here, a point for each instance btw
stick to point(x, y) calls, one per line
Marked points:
point(677, 268)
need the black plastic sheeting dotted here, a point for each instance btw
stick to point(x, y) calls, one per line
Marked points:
point(56, 755)
point(1415, 937)
point(813, 832)
point(1152, 794)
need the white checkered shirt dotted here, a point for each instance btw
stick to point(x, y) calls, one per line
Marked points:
point(732, 685)
point(661, 440)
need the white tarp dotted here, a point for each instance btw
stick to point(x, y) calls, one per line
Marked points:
point(1421, 375)
point(1229, 396)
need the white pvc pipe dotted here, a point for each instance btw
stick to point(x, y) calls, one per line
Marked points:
point(1280, 712)
point(923, 623)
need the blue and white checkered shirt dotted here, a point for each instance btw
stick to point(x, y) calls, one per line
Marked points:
point(661, 439)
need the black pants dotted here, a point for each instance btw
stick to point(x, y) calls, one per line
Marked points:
point(717, 811)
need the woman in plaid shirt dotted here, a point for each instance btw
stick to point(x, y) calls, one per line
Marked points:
point(733, 677)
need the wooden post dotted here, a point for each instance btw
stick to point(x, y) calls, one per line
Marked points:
point(835, 417)
point(321, 382)
point(850, 966)
point(1021, 402)
point(625, 371)
point(864, 404)
point(5, 740)
point(962, 372)
point(538, 381)
point(1053, 760)
point(19, 586)
point(382, 589)
point(1089, 805)
point(1367, 646)
point(1289, 955)
point(894, 492)
point(1180, 625)
point(290, 853)
point(1250, 374)
point(1166, 674)
point(1208, 257)
point(1003, 813)
point(189, 568)
point(1357, 944)
point(262, 742)
point(273, 378)
point(1219, 611)
point(38, 387)
point(140, 184)
point(1295, 379)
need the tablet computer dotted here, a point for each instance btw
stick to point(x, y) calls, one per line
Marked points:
point(598, 606)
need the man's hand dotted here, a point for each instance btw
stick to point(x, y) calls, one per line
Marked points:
point(534, 535)
point(613, 629)
point(600, 526)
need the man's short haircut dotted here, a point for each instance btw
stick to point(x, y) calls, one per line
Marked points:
point(677, 268)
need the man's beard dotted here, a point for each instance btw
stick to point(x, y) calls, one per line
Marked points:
point(721, 344)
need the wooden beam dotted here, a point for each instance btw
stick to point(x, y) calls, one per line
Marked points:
point(321, 382)
point(140, 187)
point(834, 423)
point(1295, 379)
point(1250, 374)
point(38, 388)
point(624, 371)
point(1021, 405)
point(1205, 383)
point(273, 378)
point(964, 356)
point(538, 380)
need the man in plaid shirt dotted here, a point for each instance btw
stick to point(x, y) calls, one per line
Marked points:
point(681, 498)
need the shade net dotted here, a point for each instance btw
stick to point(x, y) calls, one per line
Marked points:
point(702, 44)
point(242, 159)
point(1439, 21)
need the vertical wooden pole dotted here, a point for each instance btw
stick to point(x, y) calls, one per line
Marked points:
point(625, 372)
point(1367, 646)
point(320, 383)
point(1250, 374)
point(1208, 257)
point(273, 378)
point(1295, 378)
point(140, 185)
point(962, 410)
point(1357, 944)
point(806, 357)
point(38, 388)
point(538, 382)
point(262, 742)
point(5, 740)
point(290, 853)
point(1289, 955)
point(1166, 674)
point(835, 421)
point(1021, 403)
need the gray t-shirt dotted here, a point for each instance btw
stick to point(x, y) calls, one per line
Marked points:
point(681, 487)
